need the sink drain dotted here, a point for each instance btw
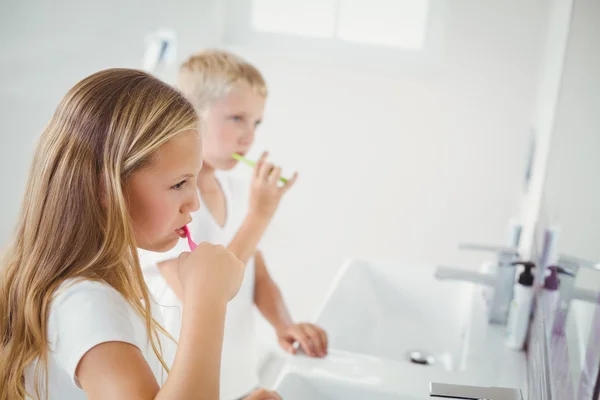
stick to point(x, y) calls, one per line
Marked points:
point(421, 358)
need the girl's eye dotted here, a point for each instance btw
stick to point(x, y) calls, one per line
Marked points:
point(237, 118)
point(179, 185)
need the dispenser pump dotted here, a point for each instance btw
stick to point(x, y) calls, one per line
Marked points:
point(526, 277)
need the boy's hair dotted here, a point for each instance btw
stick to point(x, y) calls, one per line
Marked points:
point(107, 127)
point(209, 75)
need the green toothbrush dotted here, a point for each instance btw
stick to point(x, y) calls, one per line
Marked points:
point(252, 164)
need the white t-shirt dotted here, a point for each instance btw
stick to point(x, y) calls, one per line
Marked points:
point(239, 361)
point(84, 314)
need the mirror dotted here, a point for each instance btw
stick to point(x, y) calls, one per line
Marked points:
point(571, 196)
point(580, 334)
point(574, 341)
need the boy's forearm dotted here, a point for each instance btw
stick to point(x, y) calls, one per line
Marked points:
point(268, 298)
point(269, 302)
point(244, 243)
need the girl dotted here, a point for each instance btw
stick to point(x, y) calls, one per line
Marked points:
point(114, 170)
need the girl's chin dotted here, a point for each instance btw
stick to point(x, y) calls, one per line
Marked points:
point(162, 246)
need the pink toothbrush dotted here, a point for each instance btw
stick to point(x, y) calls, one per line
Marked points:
point(189, 238)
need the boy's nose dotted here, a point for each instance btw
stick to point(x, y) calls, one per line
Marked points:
point(247, 138)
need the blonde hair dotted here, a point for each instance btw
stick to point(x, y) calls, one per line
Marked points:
point(107, 127)
point(209, 75)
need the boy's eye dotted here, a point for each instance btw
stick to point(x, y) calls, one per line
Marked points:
point(179, 185)
point(237, 118)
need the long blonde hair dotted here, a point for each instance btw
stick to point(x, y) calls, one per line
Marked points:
point(108, 126)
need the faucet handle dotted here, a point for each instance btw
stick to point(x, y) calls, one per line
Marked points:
point(526, 264)
point(577, 262)
point(562, 270)
point(500, 250)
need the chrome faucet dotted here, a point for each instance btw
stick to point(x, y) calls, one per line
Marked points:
point(502, 282)
point(569, 265)
point(452, 391)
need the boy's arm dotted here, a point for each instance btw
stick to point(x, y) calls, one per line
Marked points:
point(268, 298)
point(269, 301)
point(244, 243)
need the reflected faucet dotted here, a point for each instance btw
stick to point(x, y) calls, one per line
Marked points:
point(569, 265)
point(452, 391)
point(502, 282)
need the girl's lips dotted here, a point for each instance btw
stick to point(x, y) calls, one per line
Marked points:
point(181, 232)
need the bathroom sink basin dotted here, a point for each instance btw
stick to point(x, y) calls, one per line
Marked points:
point(384, 321)
point(294, 386)
point(397, 313)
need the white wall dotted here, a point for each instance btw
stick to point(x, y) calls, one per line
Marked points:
point(402, 165)
point(549, 80)
point(392, 165)
point(572, 189)
point(46, 47)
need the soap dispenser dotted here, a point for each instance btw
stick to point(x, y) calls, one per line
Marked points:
point(520, 308)
point(552, 284)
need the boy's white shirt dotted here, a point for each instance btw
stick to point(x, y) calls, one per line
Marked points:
point(84, 314)
point(239, 362)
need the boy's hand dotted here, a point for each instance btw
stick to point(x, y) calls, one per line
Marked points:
point(312, 339)
point(262, 394)
point(265, 190)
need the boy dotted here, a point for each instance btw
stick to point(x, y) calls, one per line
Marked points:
point(229, 95)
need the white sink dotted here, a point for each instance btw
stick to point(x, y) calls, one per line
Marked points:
point(387, 311)
point(375, 314)
point(295, 386)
